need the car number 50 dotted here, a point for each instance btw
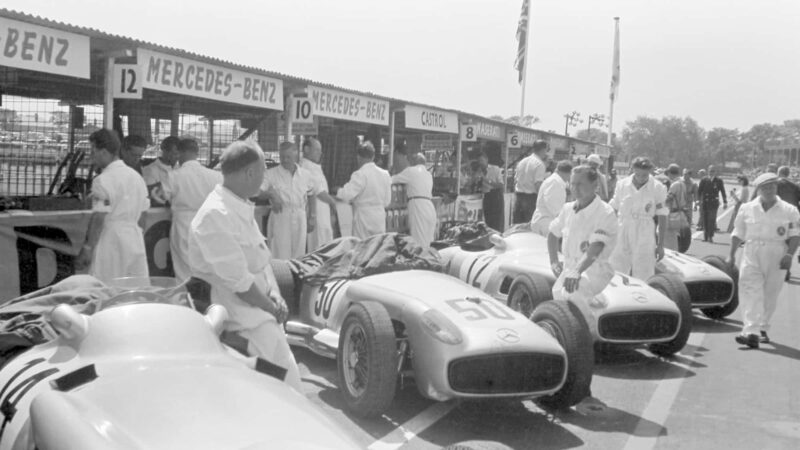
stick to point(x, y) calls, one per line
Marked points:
point(478, 310)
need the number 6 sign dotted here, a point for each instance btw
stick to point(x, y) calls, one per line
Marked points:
point(513, 140)
point(127, 81)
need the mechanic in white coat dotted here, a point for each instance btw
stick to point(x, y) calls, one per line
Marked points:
point(323, 230)
point(115, 242)
point(770, 230)
point(227, 250)
point(552, 196)
point(588, 227)
point(186, 189)
point(637, 199)
point(419, 189)
point(291, 191)
point(596, 161)
point(155, 174)
point(370, 192)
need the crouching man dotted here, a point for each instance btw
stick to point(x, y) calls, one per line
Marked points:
point(227, 250)
point(588, 227)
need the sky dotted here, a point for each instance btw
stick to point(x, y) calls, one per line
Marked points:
point(726, 63)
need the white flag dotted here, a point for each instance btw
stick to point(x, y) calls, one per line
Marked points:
point(615, 64)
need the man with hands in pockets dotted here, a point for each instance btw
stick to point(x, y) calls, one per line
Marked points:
point(588, 228)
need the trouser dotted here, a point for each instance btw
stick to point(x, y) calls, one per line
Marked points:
point(286, 232)
point(524, 206)
point(421, 220)
point(733, 217)
point(635, 253)
point(323, 230)
point(120, 252)
point(368, 221)
point(494, 209)
point(760, 283)
point(179, 243)
point(593, 282)
point(268, 341)
point(709, 221)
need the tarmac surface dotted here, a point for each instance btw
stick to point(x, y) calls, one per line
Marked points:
point(714, 394)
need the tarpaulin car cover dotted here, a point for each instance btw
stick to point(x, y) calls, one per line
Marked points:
point(389, 252)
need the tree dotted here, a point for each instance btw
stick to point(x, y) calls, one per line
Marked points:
point(665, 141)
point(595, 135)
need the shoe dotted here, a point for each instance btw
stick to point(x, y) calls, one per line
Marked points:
point(764, 338)
point(751, 340)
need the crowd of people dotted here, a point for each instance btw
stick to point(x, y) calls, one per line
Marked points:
point(599, 223)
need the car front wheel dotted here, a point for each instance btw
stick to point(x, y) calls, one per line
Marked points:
point(528, 291)
point(723, 311)
point(565, 322)
point(366, 359)
point(675, 290)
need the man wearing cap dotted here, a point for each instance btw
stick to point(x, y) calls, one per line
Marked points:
point(676, 202)
point(528, 177)
point(227, 251)
point(323, 231)
point(588, 227)
point(596, 162)
point(291, 190)
point(638, 199)
point(553, 196)
point(370, 192)
point(709, 191)
point(770, 230)
point(186, 188)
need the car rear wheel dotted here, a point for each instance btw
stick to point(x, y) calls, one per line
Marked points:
point(723, 311)
point(367, 359)
point(564, 322)
point(528, 291)
point(676, 291)
point(684, 239)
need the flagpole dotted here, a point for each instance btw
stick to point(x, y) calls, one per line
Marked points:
point(525, 65)
point(614, 70)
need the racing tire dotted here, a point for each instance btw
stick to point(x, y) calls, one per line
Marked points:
point(527, 292)
point(723, 311)
point(367, 359)
point(676, 291)
point(564, 321)
point(684, 239)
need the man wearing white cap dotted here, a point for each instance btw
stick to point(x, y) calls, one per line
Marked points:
point(638, 199)
point(770, 230)
point(595, 161)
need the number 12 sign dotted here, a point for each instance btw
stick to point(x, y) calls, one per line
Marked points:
point(127, 82)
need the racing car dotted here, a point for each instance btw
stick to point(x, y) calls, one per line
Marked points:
point(711, 282)
point(452, 339)
point(144, 371)
point(515, 270)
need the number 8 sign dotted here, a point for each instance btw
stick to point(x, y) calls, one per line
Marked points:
point(468, 133)
point(127, 81)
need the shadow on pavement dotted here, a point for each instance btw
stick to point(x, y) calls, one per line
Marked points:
point(519, 425)
point(631, 364)
point(781, 350)
point(710, 326)
point(594, 415)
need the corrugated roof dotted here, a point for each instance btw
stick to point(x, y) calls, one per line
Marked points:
point(98, 34)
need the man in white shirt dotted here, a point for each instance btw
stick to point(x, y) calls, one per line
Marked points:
point(186, 189)
point(323, 230)
point(596, 162)
point(552, 196)
point(770, 230)
point(370, 192)
point(155, 174)
point(292, 214)
point(115, 243)
point(528, 177)
point(588, 227)
point(638, 199)
point(227, 250)
point(419, 190)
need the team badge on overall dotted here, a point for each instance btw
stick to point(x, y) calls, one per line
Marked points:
point(781, 231)
point(584, 246)
point(647, 207)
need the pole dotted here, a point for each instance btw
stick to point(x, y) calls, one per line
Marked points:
point(390, 163)
point(108, 105)
point(566, 125)
point(614, 81)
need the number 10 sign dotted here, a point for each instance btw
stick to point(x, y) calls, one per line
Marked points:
point(126, 82)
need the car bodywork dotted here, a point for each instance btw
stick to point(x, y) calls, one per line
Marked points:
point(708, 286)
point(628, 311)
point(149, 375)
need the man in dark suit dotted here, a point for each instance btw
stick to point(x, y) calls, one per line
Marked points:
point(708, 192)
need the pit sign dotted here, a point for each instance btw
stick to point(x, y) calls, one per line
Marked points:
point(469, 133)
point(127, 81)
point(513, 140)
point(32, 47)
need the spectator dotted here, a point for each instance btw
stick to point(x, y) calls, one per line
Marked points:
point(740, 198)
point(553, 197)
point(709, 191)
point(528, 177)
point(788, 191)
point(133, 147)
point(155, 174)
